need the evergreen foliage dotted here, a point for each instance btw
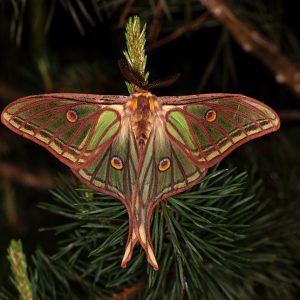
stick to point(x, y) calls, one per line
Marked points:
point(218, 240)
point(233, 236)
point(18, 264)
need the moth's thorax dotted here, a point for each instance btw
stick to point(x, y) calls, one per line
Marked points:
point(142, 108)
point(142, 102)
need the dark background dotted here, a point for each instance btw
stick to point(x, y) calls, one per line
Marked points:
point(63, 59)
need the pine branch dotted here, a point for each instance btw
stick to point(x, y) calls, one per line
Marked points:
point(127, 292)
point(194, 25)
point(7, 92)
point(208, 239)
point(9, 206)
point(5, 294)
point(125, 12)
point(155, 26)
point(284, 70)
point(290, 115)
point(18, 265)
point(41, 179)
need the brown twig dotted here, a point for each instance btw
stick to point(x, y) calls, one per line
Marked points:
point(155, 26)
point(252, 41)
point(125, 13)
point(128, 292)
point(289, 115)
point(195, 24)
point(8, 93)
point(40, 180)
point(9, 205)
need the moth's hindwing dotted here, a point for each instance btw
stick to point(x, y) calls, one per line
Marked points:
point(113, 171)
point(164, 170)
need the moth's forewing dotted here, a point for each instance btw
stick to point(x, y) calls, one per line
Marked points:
point(209, 127)
point(73, 127)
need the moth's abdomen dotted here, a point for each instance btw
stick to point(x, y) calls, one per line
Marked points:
point(142, 125)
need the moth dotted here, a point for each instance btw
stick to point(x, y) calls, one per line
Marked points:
point(140, 148)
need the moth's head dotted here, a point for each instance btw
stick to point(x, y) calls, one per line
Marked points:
point(138, 82)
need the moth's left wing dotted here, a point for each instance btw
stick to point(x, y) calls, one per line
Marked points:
point(208, 127)
point(73, 127)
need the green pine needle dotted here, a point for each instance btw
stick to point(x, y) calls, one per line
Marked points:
point(18, 266)
point(207, 239)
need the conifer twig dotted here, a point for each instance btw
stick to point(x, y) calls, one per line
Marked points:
point(155, 26)
point(129, 291)
point(41, 180)
point(8, 92)
point(289, 115)
point(125, 12)
point(254, 42)
point(135, 53)
point(18, 266)
point(195, 24)
point(9, 206)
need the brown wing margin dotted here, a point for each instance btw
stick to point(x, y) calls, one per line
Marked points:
point(190, 99)
point(87, 98)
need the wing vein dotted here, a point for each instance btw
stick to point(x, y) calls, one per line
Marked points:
point(234, 122)
point(229, 109)
point(252, 107)
point(107, 181)
point(32, 105)
point(74, 135)
point(98, 166)
point(220, 129)
point(180, 167)
point(41, 113)
point(196, 140)
point(206, 133)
